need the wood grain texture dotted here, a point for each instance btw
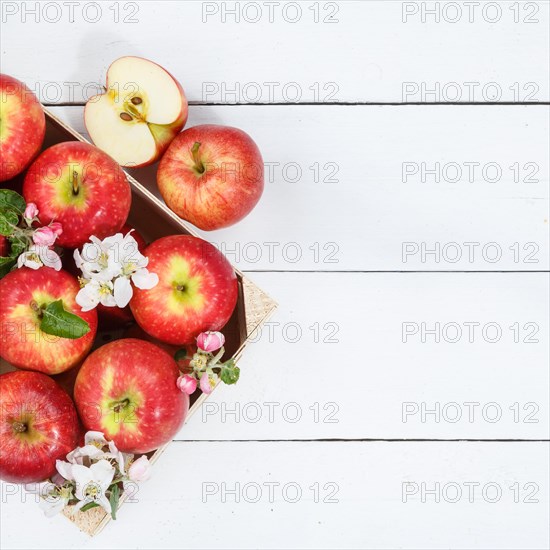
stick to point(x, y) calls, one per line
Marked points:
point(186, 505)
point(375, 51)
point(351, 356)
point(368, 210)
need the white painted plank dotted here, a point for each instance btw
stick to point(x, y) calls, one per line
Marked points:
point(377, 213)
point(341, 359)
point(370, 52)
point(372, 482)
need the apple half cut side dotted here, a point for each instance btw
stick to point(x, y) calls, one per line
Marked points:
point(141, 112)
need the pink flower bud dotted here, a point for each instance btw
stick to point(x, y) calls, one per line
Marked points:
point(187, 384)
point(207, 383)
point(56, 227)
point(44, 236)
point(31, 211)
point(210, 341)
point(140, 470)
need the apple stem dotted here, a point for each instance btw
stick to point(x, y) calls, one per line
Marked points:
point(37, 309)
point(199, 166)
point(19, 427)
point(75, 182)
point(121, 405)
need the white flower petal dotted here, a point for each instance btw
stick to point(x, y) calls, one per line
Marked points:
point(144, 279)
point(64, 469)
point(77, 258)
point(82, 477)
point(123, 291)
point(103, 473)
point(52, 505)
point(49, 258)
point(108, 300)
point(103, 501)
point(94, 437)
point(87, 297)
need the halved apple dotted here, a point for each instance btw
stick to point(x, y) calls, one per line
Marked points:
point(143, 108)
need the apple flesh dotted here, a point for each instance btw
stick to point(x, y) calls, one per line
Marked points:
point(211, 176)
point(23, 293)
point(127, 390)
point(22, 127)
point(138, 116)
point(38, 425)
point(197, 290)
point(82, 187)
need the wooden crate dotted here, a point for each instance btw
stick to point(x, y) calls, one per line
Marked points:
point(153, 219)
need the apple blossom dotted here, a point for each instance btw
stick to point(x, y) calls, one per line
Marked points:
point(53, 498)
point(37, 256)
point(109, 268)
point(44, 236)
point(210, 341)
point(92, 484)
point(95, 292)
point(208, 382)
point(140, 470)
point(31, 212)
point(57, 228)
point(187, 384)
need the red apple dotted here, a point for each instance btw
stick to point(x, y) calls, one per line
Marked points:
point(38, 425)
point(211, 176)
point(127, 390)
point(22, 127)
point(24, 293)
point(80, 186)
point(142, 110)
point(135, 331)
point(197, 290)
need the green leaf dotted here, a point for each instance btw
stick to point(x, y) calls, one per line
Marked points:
point(57, 321)
point(5, 265)
point(12, 200)
point(89, 506)
point(115, 494)
point(8, 219)
point(17, 246)
point(230, 372)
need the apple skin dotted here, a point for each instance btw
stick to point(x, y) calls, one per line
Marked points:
point(102, 200)
point(207, 296)
point(139, 379)
point(163, 134)
point(22, 343)
point(230, 185)
point(22, 127)
point(47, 422)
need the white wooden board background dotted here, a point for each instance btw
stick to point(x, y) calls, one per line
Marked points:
point(339, 387)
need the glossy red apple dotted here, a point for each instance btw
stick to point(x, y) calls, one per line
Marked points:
point(211, 176)
point(127, 390)
point(82, 187)
point(24, 293)
point(38, 425)
point(197, 290)
point(22, 127)
point(142, 110)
